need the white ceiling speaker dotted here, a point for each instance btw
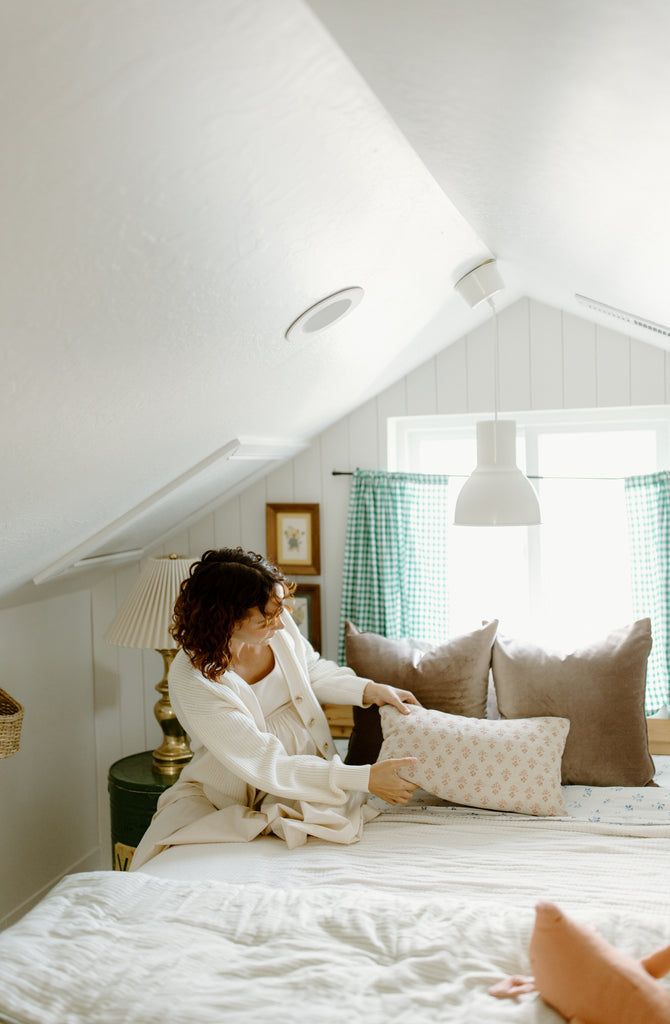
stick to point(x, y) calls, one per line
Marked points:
point(325, 313)
point(496, 493)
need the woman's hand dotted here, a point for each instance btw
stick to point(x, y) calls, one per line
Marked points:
point(380, 693)
point(385, 781)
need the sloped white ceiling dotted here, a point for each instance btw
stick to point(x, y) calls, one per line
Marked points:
point(182, 178)
point(545, 122)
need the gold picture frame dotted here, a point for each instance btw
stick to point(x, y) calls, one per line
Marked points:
point(306, 611)
point(293, 538)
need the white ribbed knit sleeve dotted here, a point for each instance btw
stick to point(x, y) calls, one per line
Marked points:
point(217, 718)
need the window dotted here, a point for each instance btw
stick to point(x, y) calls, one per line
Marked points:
point(567, 581)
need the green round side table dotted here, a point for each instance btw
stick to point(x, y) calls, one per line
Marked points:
point(134, 788)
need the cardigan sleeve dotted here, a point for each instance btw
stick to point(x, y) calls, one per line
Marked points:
point(221, 722)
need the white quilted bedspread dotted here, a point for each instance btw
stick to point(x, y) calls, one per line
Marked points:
point(412, 924)
point(107, 948)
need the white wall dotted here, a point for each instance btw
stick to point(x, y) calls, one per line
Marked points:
point(49, 818)
point(548, 360)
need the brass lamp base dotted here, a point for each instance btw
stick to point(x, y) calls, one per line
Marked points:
point(174, 752)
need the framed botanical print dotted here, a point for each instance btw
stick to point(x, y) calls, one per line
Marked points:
point(306, 611)
point(293, 538)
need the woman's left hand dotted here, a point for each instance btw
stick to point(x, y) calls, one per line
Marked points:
point(380, 693)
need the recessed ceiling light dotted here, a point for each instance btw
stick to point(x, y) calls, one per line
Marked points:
point(325, 313)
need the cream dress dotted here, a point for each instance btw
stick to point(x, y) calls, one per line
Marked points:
point(294, 820)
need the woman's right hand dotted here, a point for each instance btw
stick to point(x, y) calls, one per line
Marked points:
point(385, 782)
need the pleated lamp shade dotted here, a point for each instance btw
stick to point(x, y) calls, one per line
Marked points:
point(497, 493)
point(145, 615)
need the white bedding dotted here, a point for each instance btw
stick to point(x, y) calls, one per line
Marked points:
point(583, 859)
point(143, 950)
point(413, 923)
point(500, 861)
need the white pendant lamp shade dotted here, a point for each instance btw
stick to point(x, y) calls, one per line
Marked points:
point(145, 615)
point(497, 493)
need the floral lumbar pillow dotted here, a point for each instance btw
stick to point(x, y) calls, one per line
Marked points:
point(502, 765)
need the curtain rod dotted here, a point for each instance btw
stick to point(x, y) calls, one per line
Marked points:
point(463, 476)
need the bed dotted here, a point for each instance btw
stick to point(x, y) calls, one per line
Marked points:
point(415, 922)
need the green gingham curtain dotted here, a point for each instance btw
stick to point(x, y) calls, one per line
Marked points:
point(648, 513)
point(395, 558)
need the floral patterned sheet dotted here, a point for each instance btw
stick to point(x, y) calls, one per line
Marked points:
point(619, 804)
point(615, 805)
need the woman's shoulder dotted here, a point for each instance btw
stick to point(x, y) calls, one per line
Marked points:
point(181, 666)
point(188, 684)
point(184, 673)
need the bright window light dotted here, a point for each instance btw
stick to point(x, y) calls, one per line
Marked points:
point(566, 582)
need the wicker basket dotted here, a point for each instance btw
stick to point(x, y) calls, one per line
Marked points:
point(11, 720)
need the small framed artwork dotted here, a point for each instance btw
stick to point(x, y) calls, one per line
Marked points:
point(293, 538)
point(306, 611)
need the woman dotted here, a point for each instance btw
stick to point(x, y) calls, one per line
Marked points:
point(248, 689)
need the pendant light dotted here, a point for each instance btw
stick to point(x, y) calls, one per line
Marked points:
point(496, 493)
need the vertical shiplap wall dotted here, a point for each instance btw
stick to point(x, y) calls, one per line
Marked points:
point(548, 360)
point(49, 824)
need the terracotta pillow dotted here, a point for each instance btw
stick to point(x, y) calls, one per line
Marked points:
point(501, 766)
point(599, 688)
point(451, 677)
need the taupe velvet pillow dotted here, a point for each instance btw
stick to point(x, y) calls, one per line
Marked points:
point(452, 677)
point(599, 688)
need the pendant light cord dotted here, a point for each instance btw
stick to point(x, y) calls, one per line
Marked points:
point(496, 357)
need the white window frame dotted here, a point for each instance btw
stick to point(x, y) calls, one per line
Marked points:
point(404, 431)
point(404, 434)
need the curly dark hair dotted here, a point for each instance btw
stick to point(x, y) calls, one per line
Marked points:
point(220, 590)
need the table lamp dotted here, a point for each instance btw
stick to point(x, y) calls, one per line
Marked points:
point(142, 621)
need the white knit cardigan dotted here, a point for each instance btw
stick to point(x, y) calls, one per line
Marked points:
point(234, 757)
